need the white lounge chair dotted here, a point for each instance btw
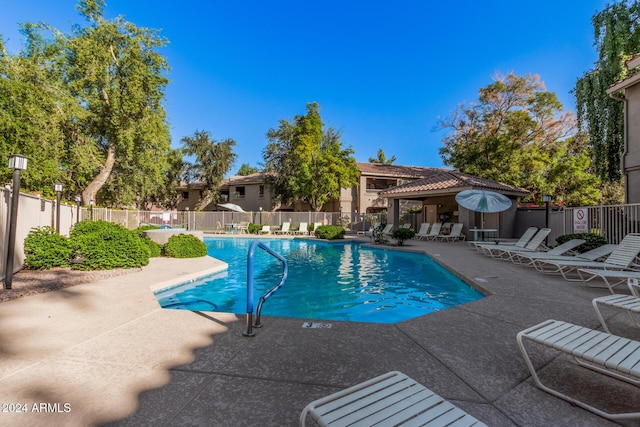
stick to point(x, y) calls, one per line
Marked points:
point(386, 231)
point(629, 303)
point(520, 243)
point(506, 252)
point(592, 255)
point(434, 232)
point(423, 231)
point(303, 229)
point(620, 276)
point(391, 399)
point(406, 225)
point(607, 354)
point(620, 259)
point(526, 258)
point(219, 229)
point(284, 230)
point(455, 234)
point(266, 229)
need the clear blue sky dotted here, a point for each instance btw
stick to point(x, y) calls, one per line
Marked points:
point(383, 72)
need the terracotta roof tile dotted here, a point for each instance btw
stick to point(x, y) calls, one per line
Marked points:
point(396, 171)
point(451, 180)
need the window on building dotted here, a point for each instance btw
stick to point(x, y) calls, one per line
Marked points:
point(261, 191)
point(185, 195)
point(239, 193)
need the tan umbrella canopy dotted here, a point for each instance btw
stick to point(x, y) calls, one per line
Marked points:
point(231, 207)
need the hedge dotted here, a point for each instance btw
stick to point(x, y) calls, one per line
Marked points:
point(102, 245)
point(592, 241)
point(330, 232)
point(44, 248)
point(185, 246)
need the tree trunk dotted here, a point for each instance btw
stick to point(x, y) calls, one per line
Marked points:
point(94, 186)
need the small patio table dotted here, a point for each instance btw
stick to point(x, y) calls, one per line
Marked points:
point(482, 232)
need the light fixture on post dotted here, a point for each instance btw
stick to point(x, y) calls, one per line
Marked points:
point(546, 199)
point(18, 163)
point(91, 210)
point(78, 200)
point(58, 189)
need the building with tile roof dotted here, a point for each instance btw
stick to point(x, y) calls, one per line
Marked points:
point(393, 189)
point(437, 192)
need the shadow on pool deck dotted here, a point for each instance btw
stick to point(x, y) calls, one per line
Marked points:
point(105, 353)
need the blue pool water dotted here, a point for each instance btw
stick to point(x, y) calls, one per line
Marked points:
point(326, 281)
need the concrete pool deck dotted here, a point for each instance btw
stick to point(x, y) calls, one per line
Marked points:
point(106, 353)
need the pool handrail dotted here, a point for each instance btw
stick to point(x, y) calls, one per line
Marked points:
point(285, 271)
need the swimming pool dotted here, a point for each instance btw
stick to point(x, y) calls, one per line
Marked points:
point(345, 281)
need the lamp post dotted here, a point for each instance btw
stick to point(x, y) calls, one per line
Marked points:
point(18, 163)
point(546, 199)
point(260, 209)
point(58, 189)
point(78, 200)
point(91, 210)
point(187, 212)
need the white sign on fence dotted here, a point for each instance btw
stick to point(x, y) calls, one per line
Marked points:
point(580, 220)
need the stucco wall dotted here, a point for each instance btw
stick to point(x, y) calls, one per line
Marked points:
point(632, 159)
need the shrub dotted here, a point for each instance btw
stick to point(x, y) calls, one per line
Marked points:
point(101, 245)
point(185, 246)
point(141, 229)
point(45, 248)
point(402, 234)
point(592, 241)
point(155, 248)
point(330, 232)
point(254, 228)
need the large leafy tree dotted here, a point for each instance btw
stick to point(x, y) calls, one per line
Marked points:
point(114, 69)
point(213, 160)
point(97, 94)
point(307, 161)
point(518, 134)
point(32, 114)
point(382, 158)
point(246, 169)
point(617, 38)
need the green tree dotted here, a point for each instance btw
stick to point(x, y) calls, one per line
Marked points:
point(213, 160)
point(86, 107)
point(114, 70)
point(308, 162)
point(616, 40)
point(166, 195)
point(32, 114)
point(382, 158)
point(246, 169)
point(518, 134)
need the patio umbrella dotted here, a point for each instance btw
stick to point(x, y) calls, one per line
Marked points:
point(231, 207)
point(483, 201)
